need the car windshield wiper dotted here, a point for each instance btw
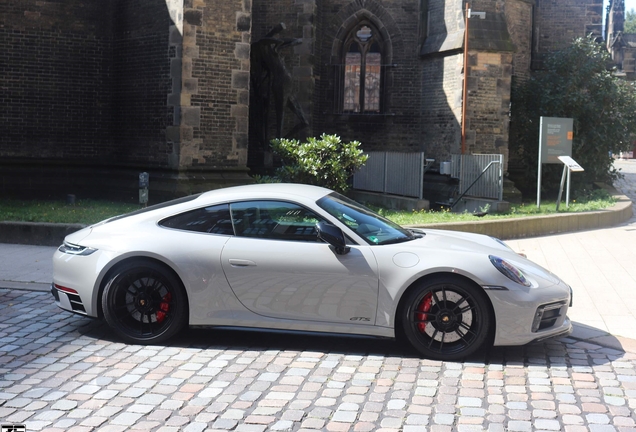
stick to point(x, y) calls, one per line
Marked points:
point(417, 233)
point(397, 240)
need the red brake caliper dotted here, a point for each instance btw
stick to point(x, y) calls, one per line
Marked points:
point(164, 307)
point(420, 315)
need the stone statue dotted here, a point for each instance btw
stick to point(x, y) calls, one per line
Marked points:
point(270, 80)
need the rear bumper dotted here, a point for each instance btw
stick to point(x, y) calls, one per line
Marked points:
point(68, 301)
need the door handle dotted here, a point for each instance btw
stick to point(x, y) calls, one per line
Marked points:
point(241, 263)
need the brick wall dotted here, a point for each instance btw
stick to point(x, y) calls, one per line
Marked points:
point(215, 83)
point(55, 79)
point(519, 18)
point(489, 79)
point(442, 78)
point(442, 105)
point(141, 82)
point(557, 23)
point(113, 87)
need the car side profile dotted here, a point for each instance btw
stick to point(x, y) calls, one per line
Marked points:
point(304, 258)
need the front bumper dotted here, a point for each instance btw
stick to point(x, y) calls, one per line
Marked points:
point(526, 316)
point(564, 330)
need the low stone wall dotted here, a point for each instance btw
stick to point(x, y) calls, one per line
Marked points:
point(533, 226)
point(33, 233)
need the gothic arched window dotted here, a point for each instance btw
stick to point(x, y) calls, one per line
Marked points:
point(363, 80)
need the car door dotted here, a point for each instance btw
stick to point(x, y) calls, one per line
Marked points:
point(278, 268)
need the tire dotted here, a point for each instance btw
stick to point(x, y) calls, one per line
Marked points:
point(144, 304)
point(446, 318)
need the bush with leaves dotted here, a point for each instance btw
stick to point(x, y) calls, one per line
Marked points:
point(324, 161)
point(576, 83)
point(630, 21)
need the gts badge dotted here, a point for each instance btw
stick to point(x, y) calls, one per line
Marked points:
point(360, 319)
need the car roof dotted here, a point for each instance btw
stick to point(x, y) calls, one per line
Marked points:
point(267, 190)
point(278, 191)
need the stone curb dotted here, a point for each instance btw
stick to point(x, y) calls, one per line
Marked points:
point(534, 226)
point(36, 233)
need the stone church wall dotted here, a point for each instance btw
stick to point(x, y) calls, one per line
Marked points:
point(557, 23)
point(95, 92)
point(518, 15)
point(55, 79)
point(442, 77)
point(398, 127)
point(141, 82)
point(215, 94)
point(300, 20)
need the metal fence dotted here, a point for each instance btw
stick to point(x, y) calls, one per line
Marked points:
point(467, 168)
point(392, 173)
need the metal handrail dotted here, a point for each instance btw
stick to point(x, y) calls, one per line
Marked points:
point(473, 183)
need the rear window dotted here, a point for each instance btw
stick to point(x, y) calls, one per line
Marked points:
point(156, 207)
point(213, 220)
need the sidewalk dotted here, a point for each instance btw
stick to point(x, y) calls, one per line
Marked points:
point(600, 265)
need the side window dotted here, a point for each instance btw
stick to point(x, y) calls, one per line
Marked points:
point(276, 220)
point(214, 220)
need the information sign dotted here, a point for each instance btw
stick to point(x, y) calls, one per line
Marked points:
point(556, 139)
point(571, 163)
point(569, 166)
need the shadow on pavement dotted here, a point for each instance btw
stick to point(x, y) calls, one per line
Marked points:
point(564, 352)
point(601, 337)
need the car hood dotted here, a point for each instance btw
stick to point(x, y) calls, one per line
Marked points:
point(77, 237)
point(458, 244)
point(458, 241)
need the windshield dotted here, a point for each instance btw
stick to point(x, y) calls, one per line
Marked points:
point(372, 227)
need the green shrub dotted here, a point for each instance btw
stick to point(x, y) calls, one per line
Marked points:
point(265, 179)
point(324, 161)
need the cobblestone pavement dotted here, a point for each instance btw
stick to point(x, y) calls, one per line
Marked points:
point(63, 372)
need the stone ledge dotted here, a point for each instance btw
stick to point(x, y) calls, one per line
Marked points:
point(35, 233)
point(533, 226)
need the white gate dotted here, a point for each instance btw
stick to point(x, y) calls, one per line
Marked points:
point(392, 173)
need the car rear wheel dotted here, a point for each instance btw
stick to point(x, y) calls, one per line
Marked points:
point(145, 304)
point(446, 318)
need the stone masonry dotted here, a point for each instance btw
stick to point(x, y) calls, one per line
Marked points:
point(95, 92)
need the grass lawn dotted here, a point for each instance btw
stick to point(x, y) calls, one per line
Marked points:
point(92, 211)
point(83, 212)
point(516, 210)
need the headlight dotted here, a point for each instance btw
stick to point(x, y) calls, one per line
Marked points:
point(510, 271)
point(72, 249)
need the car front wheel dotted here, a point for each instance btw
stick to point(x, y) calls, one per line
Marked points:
point(446, 318)
point(145, 304)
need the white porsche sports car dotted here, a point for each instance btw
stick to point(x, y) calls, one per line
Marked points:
point(304, 258)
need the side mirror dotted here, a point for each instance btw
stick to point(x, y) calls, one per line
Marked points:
point(334, 236)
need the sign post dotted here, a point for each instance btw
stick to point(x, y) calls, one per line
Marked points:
point(144, 180)
point(555, 139)
point(569, 165)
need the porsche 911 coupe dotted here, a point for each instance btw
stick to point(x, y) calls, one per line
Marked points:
point(304, 258)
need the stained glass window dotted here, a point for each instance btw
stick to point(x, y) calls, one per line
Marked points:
point(362, 72)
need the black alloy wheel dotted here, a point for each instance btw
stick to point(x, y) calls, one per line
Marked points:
point(446, 318)
point(145, 304)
